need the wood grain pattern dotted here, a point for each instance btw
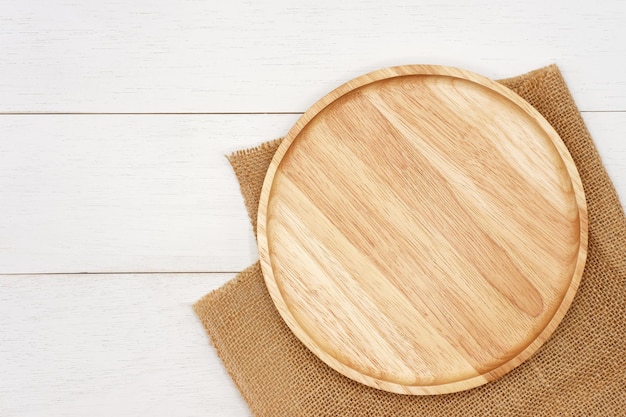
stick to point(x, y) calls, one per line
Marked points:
point(422, 229)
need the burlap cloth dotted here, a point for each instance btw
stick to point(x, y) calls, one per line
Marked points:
point(580, 371)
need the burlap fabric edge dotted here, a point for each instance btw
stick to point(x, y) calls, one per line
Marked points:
point(580, 371)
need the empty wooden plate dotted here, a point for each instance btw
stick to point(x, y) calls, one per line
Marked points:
point(422, 229)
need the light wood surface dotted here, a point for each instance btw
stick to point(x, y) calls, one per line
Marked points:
point(106, 167)
point(110, 345)
point(114, 56)
point(126, 193)
point(422, 229)
point(236, 56)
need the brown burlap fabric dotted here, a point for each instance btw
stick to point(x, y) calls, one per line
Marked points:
point(580, 371)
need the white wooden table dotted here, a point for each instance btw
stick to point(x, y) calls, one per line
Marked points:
point(119, 209)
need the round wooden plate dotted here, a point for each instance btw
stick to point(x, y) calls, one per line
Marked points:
point(422, 229)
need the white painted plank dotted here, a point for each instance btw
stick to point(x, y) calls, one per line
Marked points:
point(126, 193)
point(149, 193)
point(110, 345)
point(246, 56)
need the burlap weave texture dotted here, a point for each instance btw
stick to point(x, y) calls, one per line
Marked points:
point(580, 370)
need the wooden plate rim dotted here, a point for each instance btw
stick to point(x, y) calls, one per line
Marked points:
point(420, 70)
